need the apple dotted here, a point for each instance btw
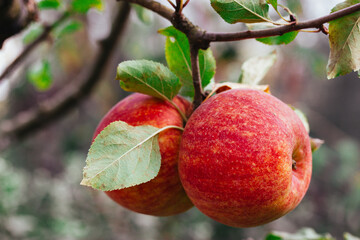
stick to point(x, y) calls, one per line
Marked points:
point(245, 158)
point(163, 195)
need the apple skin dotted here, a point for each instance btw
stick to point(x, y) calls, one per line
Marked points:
point(236, 154)
point(163, 195)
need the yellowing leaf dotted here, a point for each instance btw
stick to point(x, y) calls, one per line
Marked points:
point(256, 68)
point(344, 35)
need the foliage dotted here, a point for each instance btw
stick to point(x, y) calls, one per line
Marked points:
point(17, 204)
point(40, 75)
point(110, 163)
point(344, 44)
point(177, 52)
point(148, 77)
point(247, 11)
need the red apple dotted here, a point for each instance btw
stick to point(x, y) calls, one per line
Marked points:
point(163, 195)
point(236, 158)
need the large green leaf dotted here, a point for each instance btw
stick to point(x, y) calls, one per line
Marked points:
point(256, 68)
point(344, 35)
point(303, 234)
point(177, 52)
point(247, 11)
point(82, 6)
point(40, 75)
point(286, 38)
point(122, 156)
point(148, 77)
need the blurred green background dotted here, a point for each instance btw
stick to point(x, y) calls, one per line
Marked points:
point(40, 194)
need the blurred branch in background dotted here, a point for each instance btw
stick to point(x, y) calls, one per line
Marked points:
point(29, 121)
point(31, 47)
point(15, 15)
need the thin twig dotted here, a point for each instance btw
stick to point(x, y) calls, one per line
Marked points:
point(179, 5)
point(29, 48)
point(172, 4)
point(28, 122)
point(198, 97)
point(186, 3)
point(221, 37)
point(315, 23)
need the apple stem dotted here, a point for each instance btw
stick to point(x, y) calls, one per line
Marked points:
point(199, 95)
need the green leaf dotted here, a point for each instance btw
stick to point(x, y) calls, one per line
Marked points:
point(68, 27)
point(256, 68)
point(344, 34)
point(303, 234)
point(177, 52)
point(48, 4)
point(143, 14)
point(148, 77)
point(122, 156)
point(40, 76)
point(247, 11)
point(273, 3)
point(32, 32)
point(82, 6)
point(348, 236)
point(286, 38)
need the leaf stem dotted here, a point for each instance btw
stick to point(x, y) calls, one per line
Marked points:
point(179, 6)
point(182, 114)
point(198, 97)
point(172, 4)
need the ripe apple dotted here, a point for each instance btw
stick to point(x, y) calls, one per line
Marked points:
point(163, 195)
point(236, 158)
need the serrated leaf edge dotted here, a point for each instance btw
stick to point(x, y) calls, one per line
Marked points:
point(331, 73)
point(87, 181)
point(141, 81)
point(254, 13)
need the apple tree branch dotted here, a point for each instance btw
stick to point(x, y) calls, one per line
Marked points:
point(28, 122)
point(201, 39)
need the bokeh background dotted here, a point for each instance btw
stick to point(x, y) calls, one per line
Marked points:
point(40, 194)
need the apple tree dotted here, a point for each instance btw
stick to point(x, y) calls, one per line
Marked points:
point(135, 150)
